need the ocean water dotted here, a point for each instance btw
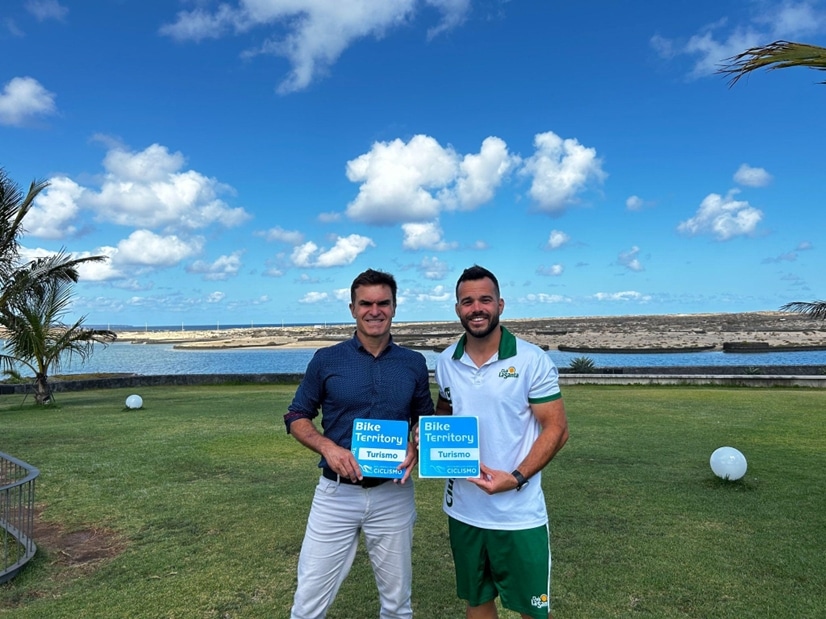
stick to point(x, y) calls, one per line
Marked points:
point(153, 359)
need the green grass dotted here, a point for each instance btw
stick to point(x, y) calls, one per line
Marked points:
point(208, 497)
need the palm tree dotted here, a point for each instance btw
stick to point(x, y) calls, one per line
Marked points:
point(781, 55)
point(777, 55)
point(37, 338)
point(34, 296)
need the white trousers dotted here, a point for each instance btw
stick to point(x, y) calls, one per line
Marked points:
point(385, 514)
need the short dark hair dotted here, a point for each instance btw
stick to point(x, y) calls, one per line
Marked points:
point(475, 273)
point(371, 277)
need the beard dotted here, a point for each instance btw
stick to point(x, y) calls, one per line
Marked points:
point(480, 332)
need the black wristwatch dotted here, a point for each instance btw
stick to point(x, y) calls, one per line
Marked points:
point(521, 482)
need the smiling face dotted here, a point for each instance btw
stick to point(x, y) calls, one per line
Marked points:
point(373, 309)
point(478, 307)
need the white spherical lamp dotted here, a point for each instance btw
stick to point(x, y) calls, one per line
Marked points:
point(728, 463)
point(134, 401)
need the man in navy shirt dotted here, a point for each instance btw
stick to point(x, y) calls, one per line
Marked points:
point(366, 377)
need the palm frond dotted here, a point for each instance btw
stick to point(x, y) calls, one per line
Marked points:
point(813, 309)
point(777, 55)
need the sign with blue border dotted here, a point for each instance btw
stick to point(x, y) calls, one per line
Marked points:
point(449, 446)
point(380, 446)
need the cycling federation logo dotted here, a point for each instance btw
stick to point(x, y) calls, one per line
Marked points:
point(540, 601)
point(509, 373)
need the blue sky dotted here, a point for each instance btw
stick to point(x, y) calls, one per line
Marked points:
point(240, 162)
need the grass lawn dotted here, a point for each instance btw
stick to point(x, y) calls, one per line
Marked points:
point(195, 506)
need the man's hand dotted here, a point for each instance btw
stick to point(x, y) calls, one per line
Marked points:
point(410, 460)
point(493, 480)
point(342, 461)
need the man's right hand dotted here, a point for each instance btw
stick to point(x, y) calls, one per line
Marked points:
point(343, 462)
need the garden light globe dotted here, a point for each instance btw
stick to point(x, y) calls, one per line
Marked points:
point(134, 401)
point(728, 463)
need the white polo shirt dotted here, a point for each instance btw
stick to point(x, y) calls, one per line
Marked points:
point(500, 394)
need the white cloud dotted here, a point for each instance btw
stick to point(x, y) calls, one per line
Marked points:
point(22, 99)
point(627, 295)
point(46, 9)
point(397, 178)
point(145, 248)
point(560, 169)
point(215, 297)
point(425, 236)
point(557, 239)
point(54, 210)
point(634, 203)
point(415, 181)
point(752, 177)
point(722, 217)
point(545, 298)
point(345, 251)
point(311, 34)
point(150, 190)
point(221, 269)
point(314, 297)
point(481, 174)
point(555, 270)
point(433, 268)
point(290, 237)
point(629, 259)
point(438, 294)
point(715, 43)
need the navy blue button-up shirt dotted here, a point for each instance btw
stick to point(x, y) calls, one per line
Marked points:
point(347, 382)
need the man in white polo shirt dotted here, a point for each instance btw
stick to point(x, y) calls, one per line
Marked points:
point(499, 522)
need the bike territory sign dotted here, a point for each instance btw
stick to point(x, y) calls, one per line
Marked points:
point(449, 446)
point(380, 446)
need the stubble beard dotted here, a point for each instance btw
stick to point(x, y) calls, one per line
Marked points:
point(493, 324)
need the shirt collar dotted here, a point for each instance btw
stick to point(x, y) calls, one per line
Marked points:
point(507, 345)
point(355, 342)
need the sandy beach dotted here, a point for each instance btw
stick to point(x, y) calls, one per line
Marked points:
point(657, 333)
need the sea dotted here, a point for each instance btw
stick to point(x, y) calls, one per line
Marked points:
point(161, 359)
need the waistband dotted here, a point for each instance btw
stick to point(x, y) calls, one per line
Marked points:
point(366, 482)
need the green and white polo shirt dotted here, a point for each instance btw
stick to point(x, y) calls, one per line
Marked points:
point(500, 394)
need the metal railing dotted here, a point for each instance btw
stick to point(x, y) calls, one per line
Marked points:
point(16, 515)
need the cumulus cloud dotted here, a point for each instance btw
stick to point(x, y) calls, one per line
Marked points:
point(55, 210)
point(221, 269)
point(723, 217)
point(630, 260)
point(397, 180)
point(752, 177)
point(344, 251)
point(425, 236)
point(480, 174)
point(148, 189)
point(311, 35)
point(560, 169)
point(557, 239)
point(145, 248)
point(151, 189)
point(22, 99)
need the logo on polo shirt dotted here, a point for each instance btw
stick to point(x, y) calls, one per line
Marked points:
point(509, 373)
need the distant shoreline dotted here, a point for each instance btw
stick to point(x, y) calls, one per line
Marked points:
point(638, 333)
